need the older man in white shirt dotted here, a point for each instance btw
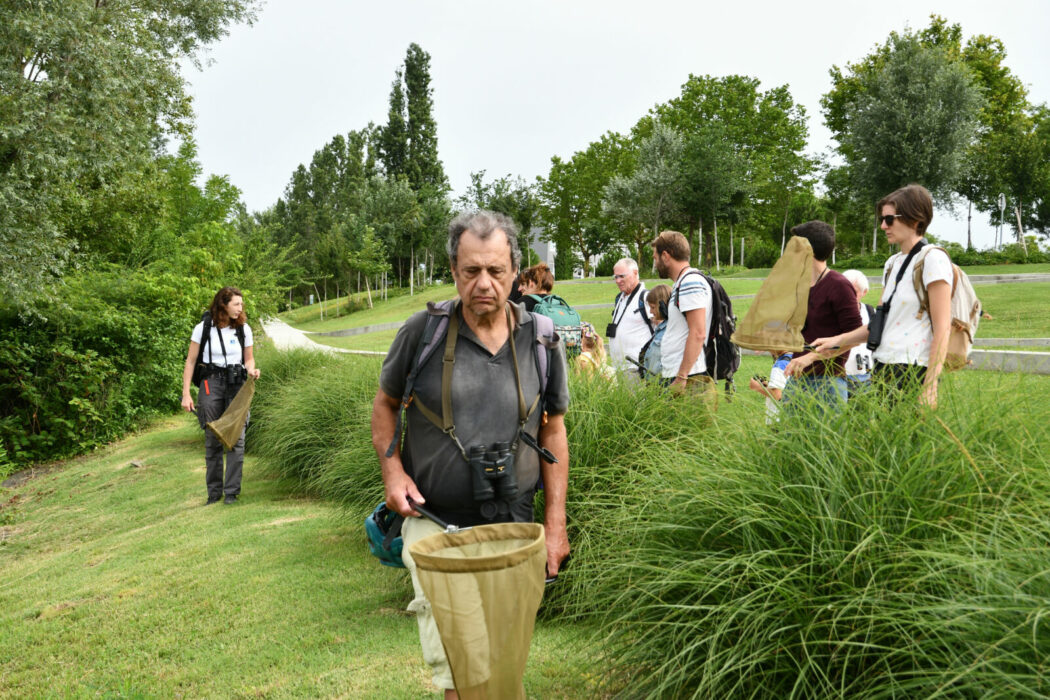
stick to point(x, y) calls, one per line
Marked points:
point(631, 327)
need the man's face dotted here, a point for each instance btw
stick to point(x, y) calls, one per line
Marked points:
point(626, 279)
point(661, 264)
point(483, 273)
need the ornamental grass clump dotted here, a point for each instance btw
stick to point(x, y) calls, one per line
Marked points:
point(317, 428)
point(870, 553)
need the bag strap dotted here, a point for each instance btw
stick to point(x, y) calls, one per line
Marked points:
point(900, 273)
point(641, 309)
point(205, 338)
point(920, 288)
point(435, 328)
point(626, 304)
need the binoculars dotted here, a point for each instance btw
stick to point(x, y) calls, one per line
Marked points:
point(236, 374)
point(492, 474)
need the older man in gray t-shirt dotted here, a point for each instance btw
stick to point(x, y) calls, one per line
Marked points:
point(486, 395)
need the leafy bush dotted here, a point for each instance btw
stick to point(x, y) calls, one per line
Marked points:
point(89, 365)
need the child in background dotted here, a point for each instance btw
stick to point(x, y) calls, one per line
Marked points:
point(592, 359)
point(650, 366)
point(773, 389)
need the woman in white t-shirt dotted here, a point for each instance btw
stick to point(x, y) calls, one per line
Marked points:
point(228, 360)
point(914, 342)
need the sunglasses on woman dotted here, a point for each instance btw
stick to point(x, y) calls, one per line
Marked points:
point(888, 218)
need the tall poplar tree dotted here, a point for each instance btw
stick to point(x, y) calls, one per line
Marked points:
point(393, 138)
point(424, 168)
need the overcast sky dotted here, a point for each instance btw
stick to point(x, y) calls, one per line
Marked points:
point(518, 82)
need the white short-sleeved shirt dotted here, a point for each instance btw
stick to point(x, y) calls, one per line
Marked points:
point(692, 292)
point(213, 353)
point(632, 328)
point(861, 351)
point(907, 336)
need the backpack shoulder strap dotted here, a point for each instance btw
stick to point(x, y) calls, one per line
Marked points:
point(641, 309)
point(678, 289)
point(917, 270)
point(240, 337)
point(205, 335)
point(544, 326)
point(434, 331)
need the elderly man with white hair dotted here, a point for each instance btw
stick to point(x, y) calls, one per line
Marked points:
point(858, 364)
point(631, 327)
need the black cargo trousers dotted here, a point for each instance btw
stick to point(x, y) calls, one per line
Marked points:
point(213, 398)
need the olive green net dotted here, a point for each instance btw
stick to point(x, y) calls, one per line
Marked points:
point(229, 426)
point(484, 586)
point(776, 316)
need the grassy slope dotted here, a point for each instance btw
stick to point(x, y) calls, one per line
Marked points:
point(118, 582)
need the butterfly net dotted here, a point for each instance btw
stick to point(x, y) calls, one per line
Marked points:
point(484, 586)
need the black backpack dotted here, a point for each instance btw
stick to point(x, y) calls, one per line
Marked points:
point(199, 366)
point(721, 356)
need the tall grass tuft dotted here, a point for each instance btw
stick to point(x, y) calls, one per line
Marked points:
point(315, 425)
point(866, 554)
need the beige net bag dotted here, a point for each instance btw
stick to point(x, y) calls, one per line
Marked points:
point(230, 424)
point(484, 586)
point(776, 316)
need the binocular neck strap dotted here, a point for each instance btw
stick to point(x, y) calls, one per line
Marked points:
point(222, 345)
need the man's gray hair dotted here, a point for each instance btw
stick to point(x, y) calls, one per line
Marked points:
point(483, 223)
point(858, 278)
point(629, 262)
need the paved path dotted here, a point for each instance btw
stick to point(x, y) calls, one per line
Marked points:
point(285, 337)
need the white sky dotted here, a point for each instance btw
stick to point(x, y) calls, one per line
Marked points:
point(518, 82)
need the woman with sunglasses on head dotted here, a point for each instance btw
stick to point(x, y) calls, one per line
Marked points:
point(910, 354)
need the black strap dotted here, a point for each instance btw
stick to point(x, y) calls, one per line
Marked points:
point(627, 304)
point(900, 273)
point(678, 282)
point(205, 338)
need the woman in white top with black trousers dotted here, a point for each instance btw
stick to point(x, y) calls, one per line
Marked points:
point(225, 363)
point(910, 354)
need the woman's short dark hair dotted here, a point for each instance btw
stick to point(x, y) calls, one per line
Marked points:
point(539, 275)
point(482, 224)
point(820, 236)
point(218, 308)
point(913, 203)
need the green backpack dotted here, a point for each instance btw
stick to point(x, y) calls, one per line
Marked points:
point(567, 322)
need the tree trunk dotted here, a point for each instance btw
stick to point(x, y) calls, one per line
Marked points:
point(730, 243)
point(337, 297)
point(969, 229)
point(368, 290)
point(741, 251)
point(318, 293)
point(718, 260)
point(412, 271)
point(1020, 228)
point(699, 241)
point(784, 229)
point(834, 231)
point(875, 234)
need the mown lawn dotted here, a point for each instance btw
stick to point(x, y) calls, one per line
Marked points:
point(119, 582)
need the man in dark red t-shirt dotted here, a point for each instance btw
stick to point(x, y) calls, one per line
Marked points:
point(832, 310)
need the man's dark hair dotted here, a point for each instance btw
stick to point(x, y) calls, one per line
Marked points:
point(913, 203)
point(482, 224)
point(676, 245)
point(820, 236)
